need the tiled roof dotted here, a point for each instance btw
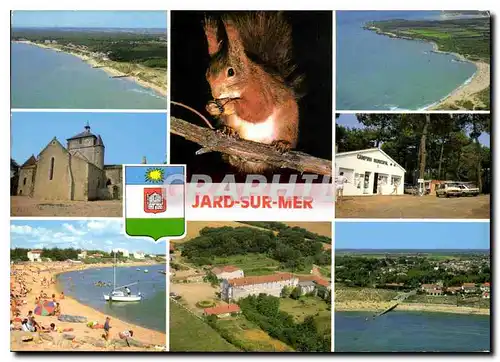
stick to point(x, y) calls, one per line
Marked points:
point(222, 309)
point(30, 161)
point(487, 284)
point(36, 251)
point(469, 285)
point(314, 278)
point(260, 279)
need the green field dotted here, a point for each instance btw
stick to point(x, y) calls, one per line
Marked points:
point(346, 294)
point(308, 306)
point(190, 334)
point(468, 37)
point(251, 264)
point(249, 336)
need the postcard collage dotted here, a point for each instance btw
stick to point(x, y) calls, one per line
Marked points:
point(250, 181)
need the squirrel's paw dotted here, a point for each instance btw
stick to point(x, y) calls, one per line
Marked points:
point(282, 146)
point(214, 108)
point(228, 131)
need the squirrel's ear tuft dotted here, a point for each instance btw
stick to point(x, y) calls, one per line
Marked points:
point(233, 36)
point(211, 27)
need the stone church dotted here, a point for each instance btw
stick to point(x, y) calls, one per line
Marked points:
point(74, 172)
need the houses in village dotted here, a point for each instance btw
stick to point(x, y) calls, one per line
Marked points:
point(466, 289)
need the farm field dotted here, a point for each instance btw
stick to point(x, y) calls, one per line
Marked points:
point(250, 336)
point(190, 334)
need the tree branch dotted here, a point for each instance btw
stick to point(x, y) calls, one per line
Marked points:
point(212, 141)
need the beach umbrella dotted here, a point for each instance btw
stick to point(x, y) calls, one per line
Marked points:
point(45, 308)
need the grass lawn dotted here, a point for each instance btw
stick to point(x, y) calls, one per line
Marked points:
point(189, 334)
point(250, 336)
point(251, 264)
point(343, 294)
point(309, 306)
point(431, 33)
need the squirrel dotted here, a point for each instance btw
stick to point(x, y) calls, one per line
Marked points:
point(253, 82)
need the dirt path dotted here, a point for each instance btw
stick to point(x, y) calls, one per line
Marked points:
point(27, 206)
point(408, 207)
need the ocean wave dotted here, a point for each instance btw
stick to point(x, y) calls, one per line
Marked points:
point(146, 91)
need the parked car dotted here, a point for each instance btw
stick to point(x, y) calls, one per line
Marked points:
point(448, 189)
point(469, 191)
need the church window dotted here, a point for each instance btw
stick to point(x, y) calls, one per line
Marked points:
point(51, 171)
point(108, 183)
point(24, 181)
point(80, 141)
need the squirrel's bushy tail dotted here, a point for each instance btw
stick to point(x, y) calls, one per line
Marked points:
point(267, 40)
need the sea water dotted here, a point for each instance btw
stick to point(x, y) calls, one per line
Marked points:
point(45, 78)
point(376, 72)
point(401, 331)
point(148, 313)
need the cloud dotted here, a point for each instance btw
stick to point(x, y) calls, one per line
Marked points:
point(82, 234)
point(73, 230)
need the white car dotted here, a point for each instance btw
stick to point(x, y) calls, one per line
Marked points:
point(468, 191)
point(448, 189)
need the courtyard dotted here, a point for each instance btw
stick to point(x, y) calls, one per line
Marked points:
point(413, 207)
point(27, 206)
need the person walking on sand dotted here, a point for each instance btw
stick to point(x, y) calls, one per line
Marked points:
point(340, 180)
point(107, 326)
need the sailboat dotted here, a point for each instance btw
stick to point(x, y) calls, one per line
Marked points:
point(118, 294)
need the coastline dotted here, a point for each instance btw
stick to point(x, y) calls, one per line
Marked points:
point(112, 72)
point(85, 338)
point(372, 306)
point(479, 81)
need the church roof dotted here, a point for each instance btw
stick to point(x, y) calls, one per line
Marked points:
point(30, 161)
point(84, 134)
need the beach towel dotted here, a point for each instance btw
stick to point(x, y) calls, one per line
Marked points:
point(72, 318)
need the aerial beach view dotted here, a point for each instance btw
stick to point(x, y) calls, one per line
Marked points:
point(70, 164)
point(61, 273)
point(412, 287)
point(90, 59)
point(251, 287)
point(413, 60)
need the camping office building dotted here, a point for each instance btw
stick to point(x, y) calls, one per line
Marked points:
point(370, 172)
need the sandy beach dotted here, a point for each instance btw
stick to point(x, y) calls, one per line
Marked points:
point(106, 66)
point(30, 280)
point(374, 306)
point(466, 92)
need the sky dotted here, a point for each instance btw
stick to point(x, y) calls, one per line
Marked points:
point(100, 234)
point(89, 19)
point(412, 235)
point(127, 137)
point(350, 120)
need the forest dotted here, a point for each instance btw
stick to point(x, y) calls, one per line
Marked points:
point(289, 246)
point(428, 146)
point(146, 48)
point(364, 271)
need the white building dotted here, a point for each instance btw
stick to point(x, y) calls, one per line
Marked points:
point(139, 255)
point(82, 255)
point(370, 172)
point(238, 288)
point(34, 255)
